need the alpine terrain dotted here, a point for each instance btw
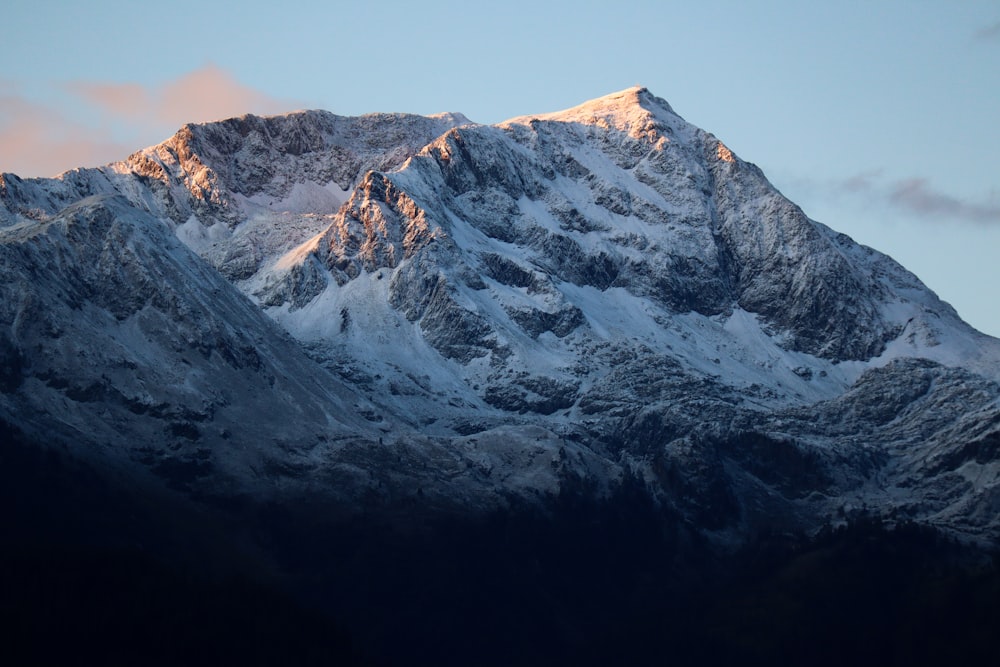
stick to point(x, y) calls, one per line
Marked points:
point(581, 386)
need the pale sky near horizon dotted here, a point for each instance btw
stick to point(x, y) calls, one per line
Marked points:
point(878, 118)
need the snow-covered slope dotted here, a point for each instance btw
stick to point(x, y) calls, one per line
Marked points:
point(120, 344)
point(491, 312)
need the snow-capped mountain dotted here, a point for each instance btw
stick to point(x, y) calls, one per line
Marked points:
point(394, 310)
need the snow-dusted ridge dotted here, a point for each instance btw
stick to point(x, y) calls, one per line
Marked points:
point(487, 312)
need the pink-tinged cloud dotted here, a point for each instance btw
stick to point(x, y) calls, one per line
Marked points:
point(129, 100)
point(42, 139)
point(206, 94)
point(36, 140)
point(212, 94)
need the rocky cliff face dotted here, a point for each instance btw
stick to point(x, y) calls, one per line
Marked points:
point(395, 310)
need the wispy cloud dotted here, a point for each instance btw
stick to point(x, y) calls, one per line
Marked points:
point(991, 32)
point(861, 183)
point(45, 138)
point(37, 140)
point(918, 197)
point(206, 94)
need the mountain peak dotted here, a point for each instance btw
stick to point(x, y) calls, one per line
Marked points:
point(454, 117)
point(591, 295)
point(631, 110)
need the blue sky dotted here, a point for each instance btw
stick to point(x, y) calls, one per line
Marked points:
point(878, 118)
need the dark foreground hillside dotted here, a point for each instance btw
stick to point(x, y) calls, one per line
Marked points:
point(94, 573)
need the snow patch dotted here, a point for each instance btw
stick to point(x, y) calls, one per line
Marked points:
point(198, 237)
point(307, 197)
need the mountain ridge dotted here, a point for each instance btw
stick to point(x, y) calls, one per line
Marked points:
point(597, 293)
point(575, 388)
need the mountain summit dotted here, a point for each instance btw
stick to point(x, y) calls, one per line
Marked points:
point(595, 340)
point(634, 111)
point(600, 293)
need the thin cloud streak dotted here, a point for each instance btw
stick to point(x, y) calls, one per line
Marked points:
point(989, 33)
point(39, 139)
point(860, 183)
point(916, 196)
